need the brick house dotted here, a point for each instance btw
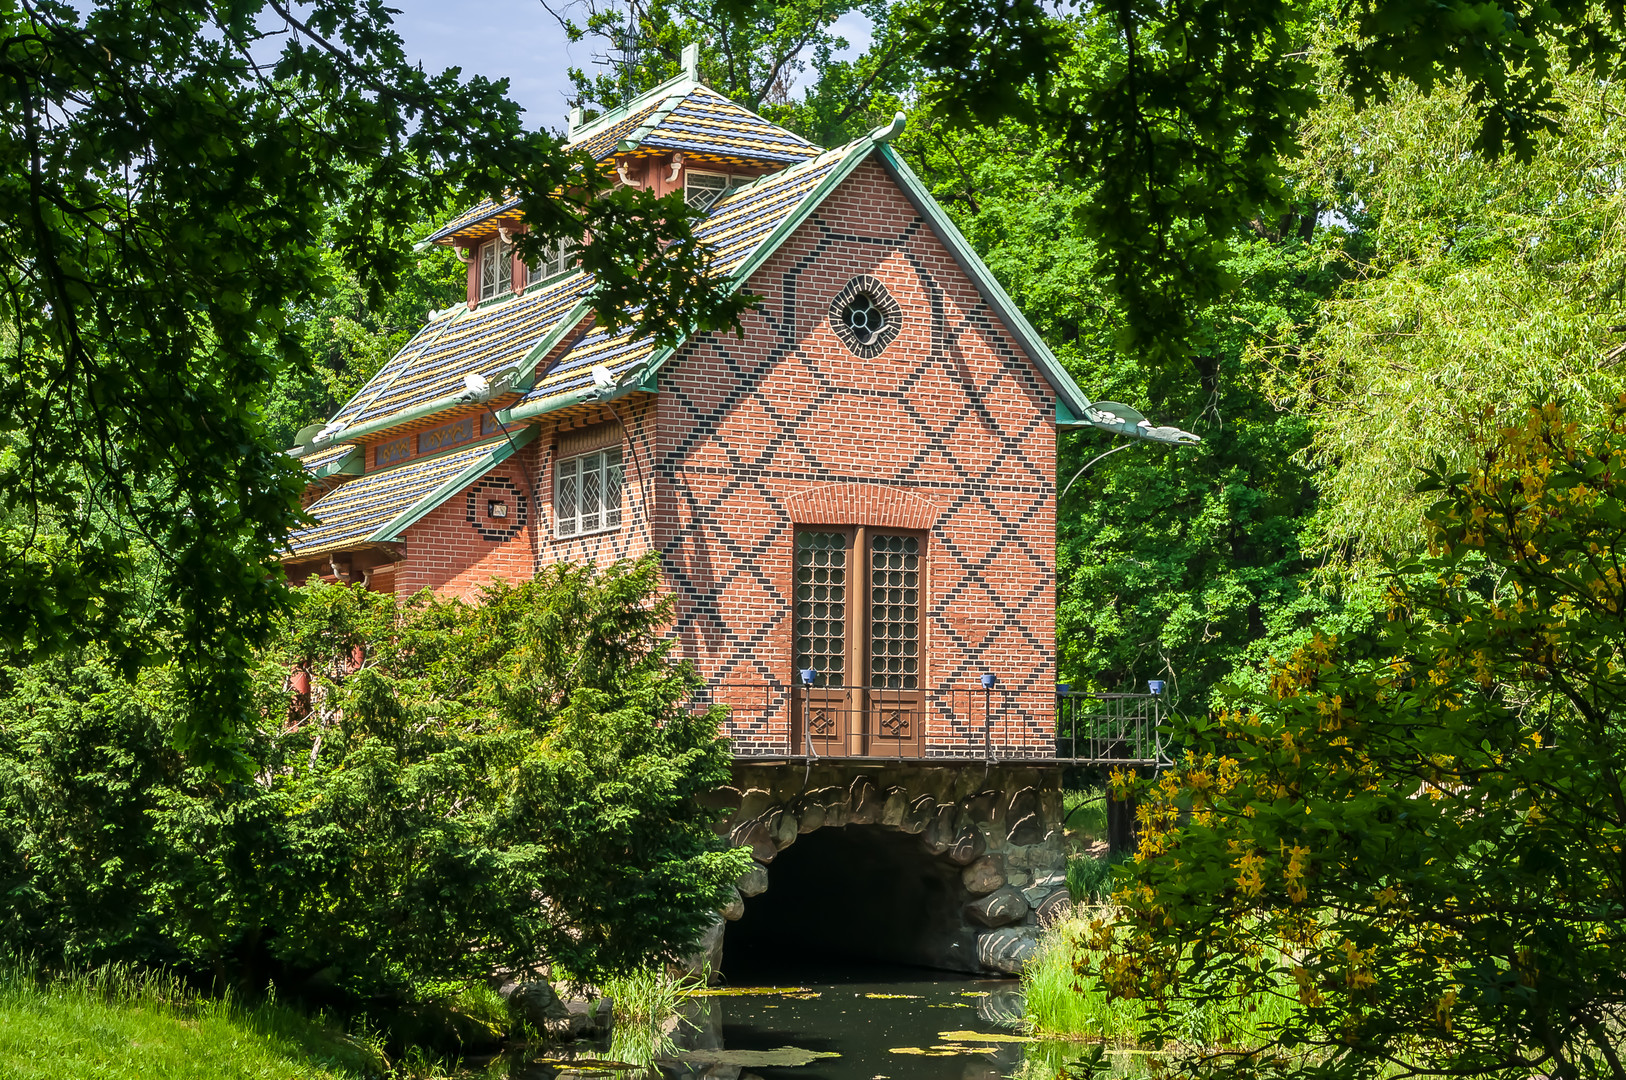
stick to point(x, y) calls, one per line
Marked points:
point(864, 486)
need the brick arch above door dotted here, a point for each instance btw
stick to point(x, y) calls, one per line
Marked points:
point(876, 505)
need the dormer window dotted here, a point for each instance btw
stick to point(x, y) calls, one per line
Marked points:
point(496, 268)
point(555, 261)
point(701, 189)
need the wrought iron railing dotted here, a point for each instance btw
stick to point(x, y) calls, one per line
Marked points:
point(956, 723)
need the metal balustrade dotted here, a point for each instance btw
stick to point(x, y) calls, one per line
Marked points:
point(947, 724)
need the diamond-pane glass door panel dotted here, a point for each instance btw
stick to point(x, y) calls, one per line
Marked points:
point(894, 612)
point(821, 605)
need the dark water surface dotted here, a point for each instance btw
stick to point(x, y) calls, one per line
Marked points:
point(886, 1024)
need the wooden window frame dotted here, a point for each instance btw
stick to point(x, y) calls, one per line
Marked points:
point(857, 646)
point(577, 462)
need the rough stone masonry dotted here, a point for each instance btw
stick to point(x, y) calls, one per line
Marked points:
point(987, 839)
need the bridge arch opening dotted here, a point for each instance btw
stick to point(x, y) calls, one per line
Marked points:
point(855, 894)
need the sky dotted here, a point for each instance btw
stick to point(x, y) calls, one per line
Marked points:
point(517, 40)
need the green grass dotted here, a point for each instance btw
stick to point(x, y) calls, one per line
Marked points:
point(1085, 814)
point(1062, 1004)
point(1089, 880)
point(117, 1024)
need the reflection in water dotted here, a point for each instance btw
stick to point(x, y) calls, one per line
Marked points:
point(880, 1025)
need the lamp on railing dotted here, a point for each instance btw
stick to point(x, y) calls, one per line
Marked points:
point(988, 715)
point(1155, 686)
point(808, 675)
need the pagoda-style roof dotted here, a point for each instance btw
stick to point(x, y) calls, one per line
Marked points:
point(681, 115)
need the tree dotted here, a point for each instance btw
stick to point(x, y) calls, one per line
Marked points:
point(445, 791)
point(167, 175)
point(1414, 836)
point(755, 53)
point(1184, 565)
point(1189, 110)
point(1478, 281)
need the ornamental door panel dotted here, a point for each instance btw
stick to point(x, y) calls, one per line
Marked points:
point(894, 706)
point(822, 717)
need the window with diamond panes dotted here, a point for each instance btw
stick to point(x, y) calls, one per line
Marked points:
point(496, 268)
point(555, 261)
point(821, 605)
point(700, 189)
point(894, 612)
point(587, 493)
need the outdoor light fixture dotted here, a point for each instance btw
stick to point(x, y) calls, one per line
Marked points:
point(1063, 689)
point(1155, 686)
point(808, 675)
point(1116, 417)
point(1120, 419)
point(497, 509)
point(987, 681)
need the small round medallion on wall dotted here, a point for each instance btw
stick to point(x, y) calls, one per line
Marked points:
point(865, 317)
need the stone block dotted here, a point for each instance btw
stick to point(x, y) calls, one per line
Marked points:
point(1002, 907)
point(753, 804)
point(735, 907)
point(967, 847)
point(918, 815)
point(1053, 907)
point(810, 817)
point(984, 876)
point(534, 1004)
point(756, 836)
point(784, 828)
point(895, 807)
point(940, 832)
point(754, 882)
point(865, 801)
point(1007, 949)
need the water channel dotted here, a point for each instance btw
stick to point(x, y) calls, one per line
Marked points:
point(847, 1023)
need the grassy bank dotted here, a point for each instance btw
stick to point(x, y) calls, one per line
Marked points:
point(1062, 1004)
point(119, 1025)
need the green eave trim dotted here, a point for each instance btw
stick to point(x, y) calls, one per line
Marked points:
point(350, 465)
point(1068, 393)
point(414, 513)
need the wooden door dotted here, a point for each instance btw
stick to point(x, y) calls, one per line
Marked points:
point(822, 716)
point(894, 656)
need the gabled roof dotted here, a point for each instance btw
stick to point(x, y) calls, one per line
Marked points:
point(378, 507)
point(748, 225)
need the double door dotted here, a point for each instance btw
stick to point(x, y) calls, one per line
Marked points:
point(858, 606)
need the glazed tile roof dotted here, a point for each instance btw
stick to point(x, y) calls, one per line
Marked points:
point(358, 511)
point(483, 341)
point(485, 209)
point(685, 116)
point(601, 143)
point(320, 460)
point(705, 122)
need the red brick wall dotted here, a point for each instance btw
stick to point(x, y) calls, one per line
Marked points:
point(449, 553)
point(952, 413)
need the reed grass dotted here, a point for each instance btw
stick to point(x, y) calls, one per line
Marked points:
point(646, 1005)
point(1061, 1003)
point(117, 1023)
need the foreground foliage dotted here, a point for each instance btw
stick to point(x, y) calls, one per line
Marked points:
point(1416, 833)
point(463, 789)
point(167, 177)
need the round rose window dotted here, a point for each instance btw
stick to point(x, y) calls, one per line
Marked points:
point(865, 317)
